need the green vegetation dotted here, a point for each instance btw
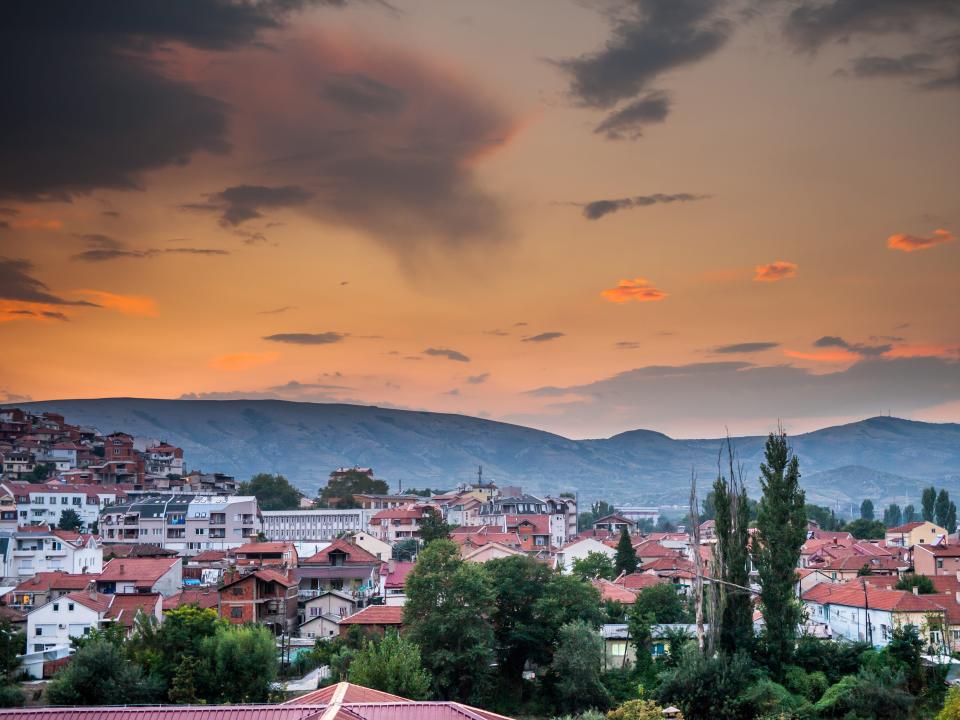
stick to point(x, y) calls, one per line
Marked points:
point(11, 644)
point(863, 529)
point(599, 509)
point(922, 583)
point(866, 510)
point(340, 490)
point(434, 527)
point(393, 665)
point(593, 566)
point(273, 492)
point(626, 559)
point(70, 520)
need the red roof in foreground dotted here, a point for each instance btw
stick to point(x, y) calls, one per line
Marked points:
point(345, 692)
point(612, 591)
point(168, 712)
point(376, 615)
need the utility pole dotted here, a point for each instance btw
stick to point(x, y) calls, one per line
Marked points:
point(697, 560)
point(868, 630)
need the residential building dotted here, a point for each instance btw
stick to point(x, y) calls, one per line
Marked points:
point(35, 549)
point(936, 559)
point(322, 614)
point(393, 580)
point(614, 524)
point(639, 515)
point(319, 524)
point(398, 523)
point(43, 503)
point(276, 555)
point(71, 616)
point(164, 459)
point(375, 546)
point(141, 575)
point(342, 565)
point(375, 618)
point(909, 534)
point(263, 596)
point(486, 552)
point(45, 586)
point(578, 550)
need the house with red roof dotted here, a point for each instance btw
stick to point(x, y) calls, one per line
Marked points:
point(142, 575)
point(375, 618)
point(276, 555)
point(612, 591)
point(36, 548)
point(342, 565)
point(488, 551)
point(921, 532)
point(72, 615)
point(400, 523)
point(124, 609)
point(202, 597)
point(263, 596)
point(614, 524)
point(393, 579)
point(45, 586)
point(532, 530)
point(942, 559)
point(639, 580)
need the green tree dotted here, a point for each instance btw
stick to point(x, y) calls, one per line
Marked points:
point(951, 705)
point(951, 525)
point(239, 663)
point(183, 689)
point(863, 529)
point(824, 517)
point(405, 549)
point(599, 509)
point(576, 668)
point(866, 509)
point(640, 629)
point(161, 648)
point(594, 565)
point(433, 527)
point(273, 492)
point(626, 559)
point(340, 490)
point(566, 598)
point(781, 531)
point(447, 613)
point(710, 688)
point(392, 665)
point(942, 508)
point(99, 674)
point(732, 562)
point(909, 514)
point(927, 502)
point(12, 643)
point(41, 473)
point(663, 604)
point(892, 516)
point(922, 583)
point(873, 695)
point(70, 520)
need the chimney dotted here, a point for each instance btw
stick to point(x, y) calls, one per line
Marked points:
point(92, 590)
point(391, 565)
point(916, 590)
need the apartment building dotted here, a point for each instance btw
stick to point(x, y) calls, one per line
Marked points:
point(187, 524)
point(321, 524)
point(36, 549)
point(42, 504)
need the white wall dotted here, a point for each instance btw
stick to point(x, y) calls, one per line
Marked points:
point(58, 621)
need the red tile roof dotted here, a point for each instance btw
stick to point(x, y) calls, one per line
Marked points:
point(347, 693)
point(143, 571)
point(202, 597)
point(124, 607)
point(940, 550)
point(169, 712)
point(355, 553)
point(612, 591)
point(638, 581)
point(55, 580)
point(376, 615)
point(905, 528)
point(98, 602)
point(398, 514)
point(256, 548)
point(540, 523)
point(396, 579)
point(854, 594)
point(208, 556)
point(654, 549)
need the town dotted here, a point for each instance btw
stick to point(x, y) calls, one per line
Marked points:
point(108, 538)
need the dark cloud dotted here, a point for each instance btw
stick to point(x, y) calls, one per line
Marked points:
point(113, 214)
point(359, 93)
point(627, 345)
point(649, 38)
point(478, 379)
point(598, 208)
point(16, 283)
point(497, 333)
point(53, 315)
point(102, 248)
point(324, 338)
point(454, 391)
point(727, 392)
point(748, 347)
point(910, 65)
point(447, 353)
point(12, 397)
point(240, 203)
point(276, 311)
point(828, 341)
point(96, 105)
point(543, 337)
point(628, 122)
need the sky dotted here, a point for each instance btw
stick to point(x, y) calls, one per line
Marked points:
point(586, 216)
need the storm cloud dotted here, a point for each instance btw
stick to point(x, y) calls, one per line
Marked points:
point(446, 353)
point(240, 203)
point(599, 208)
point(17, 283)
point(747, 347)
point(323, 338)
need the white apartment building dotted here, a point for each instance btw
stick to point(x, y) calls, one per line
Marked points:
point(321, 524)
point(42, 504)
point(34, 550)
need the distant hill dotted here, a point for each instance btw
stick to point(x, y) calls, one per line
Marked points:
point(879, 458)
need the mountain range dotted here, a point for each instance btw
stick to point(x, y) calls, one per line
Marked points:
point(886, 459)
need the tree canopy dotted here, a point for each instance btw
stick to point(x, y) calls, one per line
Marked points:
point(340, 490)
point(273, 492)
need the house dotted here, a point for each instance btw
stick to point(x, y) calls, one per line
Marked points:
point(397, 524)
point(853, 566)
point(614, 592)
point(936, 559)
point(45, 586)
point(263, 596)
point(36, 548)
point(533, 531)
point(578, 550)
point(393, 578)
point(376, 547)
point(650, 550)
point(124, 609)
point(342, 565)
point(922, 532)
point(347, 693)
point(375, 618)
point(614, 524)
point(861, 611)
point(322, 614)
point(141, 575)
point(203, 598)
point(487, 551)
point(620, 650)
point(73, 615)
point(313, 524)
point(275, 555)
point(639, 580)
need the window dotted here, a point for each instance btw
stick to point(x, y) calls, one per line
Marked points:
point(38, 647)
point(56, 607)
point(618, 648)
point(236, 612)
point(939, 563)
point(38, 631)
point(63, 500)
point(70, 607)
point(237, 590)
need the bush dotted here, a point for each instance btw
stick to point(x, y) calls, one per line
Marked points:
point(709, 688)
point(833, 659)
point(392, 665)
point(636, 710)
point(771, 699)
point(99, 674)
point(808, 685)
point(11, 696)
point(869, 695)
point(951, 705)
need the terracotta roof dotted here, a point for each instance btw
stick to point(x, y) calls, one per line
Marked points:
point(905, 528)
point(55, 580)
point(638, 581)
point(854, 594)
point(12, 615)
point(376, 615)
point(124, 607)
point(855, 562)
point(143, 571)
point(208, 556)
point(398, 514)
point(202, 597)
point(396, 578)
point(540, 523)
point(348, 693)
point(668, 563)
point(612, 591)
point(256, 548)
point(654, 549)
point(940, 550)
point(98, 602)
point(479, 539)
point(355, 553)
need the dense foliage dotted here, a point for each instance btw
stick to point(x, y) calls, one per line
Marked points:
point(340, 490)
point(273, 492)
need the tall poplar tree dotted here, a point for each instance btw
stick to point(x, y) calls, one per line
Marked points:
point(942, 508)
point(866, 510)
point(781, 531)
point(927, 501)
point(626, 559)
point(951, 525)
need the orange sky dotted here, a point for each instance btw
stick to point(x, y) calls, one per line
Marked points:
point(424, 230)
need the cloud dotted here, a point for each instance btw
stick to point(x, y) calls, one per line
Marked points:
point(241, 203)
point(833, 341)
point(478, 379)
point(648, 39)
point(598, 208)
point(324, 338)
point(277, 311)
point(242, 361)
point(103, 248)
point(446, 353)
point(629, 122)
point(543, 337)
point(454, 391)
point(497, 333)
point(777, 270)
point(11, 397)
point(627, 345)
point(137, 305)
point(911, 243)
point(907, 66)
point(292, 390)
point(639, 289)
point(385, 141)
point(54, 315)
point(731, 392)
point(16, 283)
point(747, 347)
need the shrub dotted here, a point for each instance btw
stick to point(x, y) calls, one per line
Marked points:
point(951, 705)
point(636, 710)
point(11, 696)
point(708, 688)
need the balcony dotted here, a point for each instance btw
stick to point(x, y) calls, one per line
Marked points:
point(177, 520)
